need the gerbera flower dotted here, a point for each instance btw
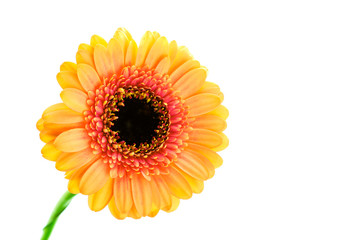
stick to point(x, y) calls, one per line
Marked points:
point(138, 128)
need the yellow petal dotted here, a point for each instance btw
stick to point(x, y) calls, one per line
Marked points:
point(144, 47)
point(74, 99)
point(205, 137)
point(183, 69)
point(115, 211)
point(192, 165)
point(47, 136)
point(68, 66)
point(174, 204)
point(142, 195)
point(182, 55)
point(173, 47)
point(86, 47)
point(94, 178)
point(49, 151)
point(197, 186)
point(85, 57)
point(212, 156)
point(123, 32)
point(74, 181)
point(163, 66)
point(155, 197)
point(164, 193)
point(70, 161)
point(209, 87)
point(190, 82)
point(68, 79)
point(131, 54)
point(117, 55)
point(220, 111)
point(209, 121)
point(100, 199)
point(63, 116)
point(73, 140)
point(224, 144)
point(102, 61)
point(122, 194)
point(88, 77)
point(133, 213)
point(159, 50)
point(202, 103)
point(206, 163)
point(177, 184)
point(156, 35)
point(95, 40)
point(40, 124)
point(55, 107)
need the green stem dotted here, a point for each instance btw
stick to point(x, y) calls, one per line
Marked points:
point(59, 208)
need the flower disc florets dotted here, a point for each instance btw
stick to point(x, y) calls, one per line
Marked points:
point(136, 122)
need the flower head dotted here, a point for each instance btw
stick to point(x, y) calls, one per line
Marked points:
point(138, 128)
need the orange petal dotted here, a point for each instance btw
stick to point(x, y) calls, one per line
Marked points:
point(159, 50)
point(190, 82)
point(141, 193)
point(68, 79)
point(59, 128)
point(122, 195)
point(68, 66)
point(100, 199)
point(212, 156)
point(192, 165)
point(63, 116)
point(49, 151)
point(177, 184)
point(211, 122)
point(184, 68)
point(88, 77)
point(202, 103)
point(220, 111)
point(102, 61)
point(74, 99)
point(224, 143)
point(70, 161)
point(94, 178)
point(205, 137)
point(144, 47)
point(115, 211)
point(73, 140)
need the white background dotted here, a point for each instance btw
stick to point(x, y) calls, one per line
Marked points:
point(290, 74)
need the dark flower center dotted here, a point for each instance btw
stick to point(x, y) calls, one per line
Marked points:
point(137, 121)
